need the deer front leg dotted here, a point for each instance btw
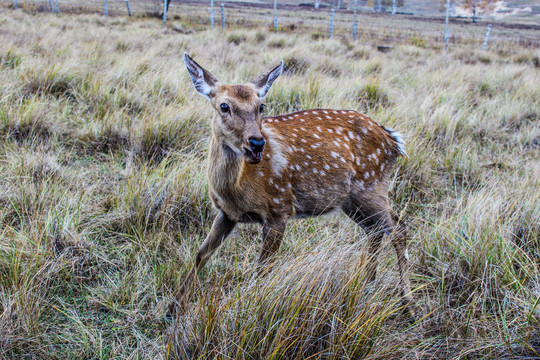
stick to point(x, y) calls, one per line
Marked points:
point(273, 231)
point(221, 228)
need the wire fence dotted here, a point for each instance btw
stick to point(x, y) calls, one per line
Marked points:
point(326, 21)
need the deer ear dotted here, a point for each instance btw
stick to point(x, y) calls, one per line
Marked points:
point(263, 82)
point(203, 81)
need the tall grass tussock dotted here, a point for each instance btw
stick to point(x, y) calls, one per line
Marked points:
point(104, 202)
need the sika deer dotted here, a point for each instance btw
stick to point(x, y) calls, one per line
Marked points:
point(270, 170)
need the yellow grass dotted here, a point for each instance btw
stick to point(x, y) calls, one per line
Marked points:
point(103, 196)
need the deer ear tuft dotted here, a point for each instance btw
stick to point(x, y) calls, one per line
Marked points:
point(264, 82)
point(204, 82)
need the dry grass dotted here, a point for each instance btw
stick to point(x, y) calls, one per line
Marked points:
point(103, 198)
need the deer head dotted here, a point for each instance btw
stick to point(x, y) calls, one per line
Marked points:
point(239, 108)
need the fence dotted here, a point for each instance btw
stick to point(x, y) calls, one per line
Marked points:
point(346, 20)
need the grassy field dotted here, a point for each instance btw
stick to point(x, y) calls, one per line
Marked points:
point(103, 196)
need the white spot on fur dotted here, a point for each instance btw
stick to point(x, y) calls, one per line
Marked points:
point(334, 155)
point(294, 135)
point(336, 143)
point(261, 173)
point(351, 116)
point(269, 120)
point(315, 171)
point(378, 151)
point(372, 172)
point(276, 200)
point(326, 167)
point(364, 130)
point(328, 117)
point(308, 156)
point(330, 130)
point(297, 167)
point(319, 128)
point(351, 134)
point(343, 112)
point(347, 146)
point(279, 159)
point(366, 175)
point(382, 167)
point(342, 159)
point(358, 161)
point(317, 136)
point(322, 172)
point(303, 140)
point(324, 111)
point(314, 113)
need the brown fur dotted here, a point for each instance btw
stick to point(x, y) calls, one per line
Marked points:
point(314, 161)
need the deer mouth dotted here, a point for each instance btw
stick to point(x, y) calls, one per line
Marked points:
point(252, 157)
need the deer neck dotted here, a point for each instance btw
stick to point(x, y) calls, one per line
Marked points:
point(224, 168)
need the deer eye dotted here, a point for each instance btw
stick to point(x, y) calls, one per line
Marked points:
point(224, 108)
point(261, 108)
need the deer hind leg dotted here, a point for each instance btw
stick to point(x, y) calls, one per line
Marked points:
point(378, 220)
point(273, 231)
point(221, 228)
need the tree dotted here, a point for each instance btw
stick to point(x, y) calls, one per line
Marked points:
point(477, 6)
point(378, 4)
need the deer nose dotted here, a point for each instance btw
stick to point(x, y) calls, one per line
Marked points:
point(257, 144)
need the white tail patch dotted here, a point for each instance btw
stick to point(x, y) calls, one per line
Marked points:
point(399, 140)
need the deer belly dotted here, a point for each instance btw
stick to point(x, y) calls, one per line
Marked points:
point(317, 202)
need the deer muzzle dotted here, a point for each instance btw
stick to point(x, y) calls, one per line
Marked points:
point(256, 147)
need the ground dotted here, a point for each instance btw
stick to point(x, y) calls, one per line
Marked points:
point(103, 195)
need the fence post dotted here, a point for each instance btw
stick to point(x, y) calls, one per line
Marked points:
point(129, 8)
point(355, 22)
point(211, 14)
point(486, 38)
point(275, 16)
point(57, 10)
point(394, 7)
point(447, 31)
point(331, 30)
point(164, 12)
point(223, 16)
point(106, 7)
point(317, 2)
point(51, 5)
point(16, 5)
point(338, 4)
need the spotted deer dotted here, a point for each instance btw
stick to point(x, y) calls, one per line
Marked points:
point(268, 170)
